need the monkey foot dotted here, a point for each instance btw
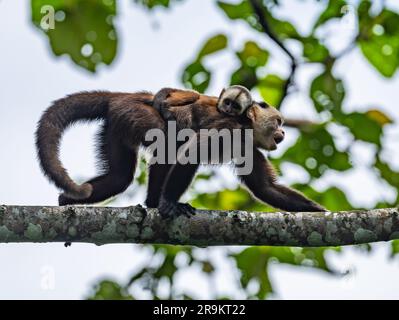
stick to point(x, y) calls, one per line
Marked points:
point(168, 209)
point(64, 200)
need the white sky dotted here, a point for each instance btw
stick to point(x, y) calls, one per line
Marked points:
point(150, 58)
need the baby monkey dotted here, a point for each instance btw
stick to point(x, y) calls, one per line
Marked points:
point(233, 101)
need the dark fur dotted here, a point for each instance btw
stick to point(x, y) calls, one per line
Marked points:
point(126, 118)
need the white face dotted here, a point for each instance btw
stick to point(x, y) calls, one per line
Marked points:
point(234, 100)
point(267, 124)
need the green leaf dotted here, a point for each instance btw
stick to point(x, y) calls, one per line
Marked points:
point(315, 151)
point(333, 198)
point(244, 76)
point(252, 55)
point(363, 127)
point(238, 199)
point(196, 76)
point(383, 53)
point(150, 4)
point(379, 38)
point(142, 176)
point(243, 11)
point(307, 257)
point(313, 50)
point(109, 290)
point(252, 263)
point(212, 45)
point(84, 30)
point(334, 9)
point(167, 268)
point(327, 93)
point(283, 29)
point(271, 89)
point(387, 173)
point(394, 248)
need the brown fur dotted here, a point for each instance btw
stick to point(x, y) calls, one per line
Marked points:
point(126, 119)
point(204, 114)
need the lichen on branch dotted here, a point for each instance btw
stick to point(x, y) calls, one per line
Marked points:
point(103, 225)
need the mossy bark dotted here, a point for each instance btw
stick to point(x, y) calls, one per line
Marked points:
point(103, 225)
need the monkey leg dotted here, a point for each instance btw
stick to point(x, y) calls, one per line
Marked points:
point(262, 183)
point(156, 178)
point(177, 181)
point(104, 187)
point(118, 162)
point(168, 97)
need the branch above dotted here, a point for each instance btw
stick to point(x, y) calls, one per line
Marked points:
point(104, 225)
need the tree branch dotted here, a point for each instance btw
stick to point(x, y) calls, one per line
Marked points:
point(258, 9)
point(300, 124)
point(103, 225)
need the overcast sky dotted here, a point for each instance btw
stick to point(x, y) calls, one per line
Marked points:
point(152, 51)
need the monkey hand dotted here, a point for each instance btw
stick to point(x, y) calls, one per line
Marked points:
point(167, 115)
point(169, 209)
point(64, 200)
point(314, 207)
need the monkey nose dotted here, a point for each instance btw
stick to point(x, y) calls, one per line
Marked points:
point(279, 137)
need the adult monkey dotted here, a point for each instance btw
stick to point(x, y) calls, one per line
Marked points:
point(192, 110)
point(127, 117)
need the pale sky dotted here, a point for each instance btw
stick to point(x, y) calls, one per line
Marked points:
point(149, 58)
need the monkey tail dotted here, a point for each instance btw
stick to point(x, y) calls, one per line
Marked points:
point(85, 106)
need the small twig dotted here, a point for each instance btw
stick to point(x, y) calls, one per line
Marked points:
point(259, 11)
point(287, 84)
point(299, 123)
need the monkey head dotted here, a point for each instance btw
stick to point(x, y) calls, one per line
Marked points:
point(267, 124)
point(234, 100)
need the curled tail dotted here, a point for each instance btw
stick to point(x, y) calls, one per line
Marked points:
point(86, 106)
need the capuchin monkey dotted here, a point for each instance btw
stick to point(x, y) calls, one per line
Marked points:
point(234, 100)
point(127, 117)
point(242, 112)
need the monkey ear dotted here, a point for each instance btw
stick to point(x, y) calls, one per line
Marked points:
point(221, 93)
point(251, 113)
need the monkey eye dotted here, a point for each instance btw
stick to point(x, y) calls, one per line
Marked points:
point(227, 102)
point(279, 122)
point(236, 106)
point(263, 105)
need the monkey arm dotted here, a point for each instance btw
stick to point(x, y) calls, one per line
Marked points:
point(168, 97)
point(262, 183)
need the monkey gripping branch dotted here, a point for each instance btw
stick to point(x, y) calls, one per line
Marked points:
point(103, 225)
